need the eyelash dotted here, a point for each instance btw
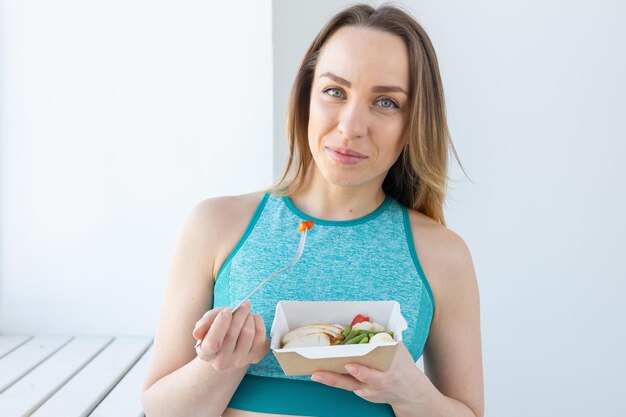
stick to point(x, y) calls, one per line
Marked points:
point(397, 107)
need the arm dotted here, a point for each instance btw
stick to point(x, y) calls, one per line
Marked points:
point(452, 357)
point(178, 382)
point(196, 389)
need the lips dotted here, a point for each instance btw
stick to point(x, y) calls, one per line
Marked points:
point(345, 155)
point(346, 151)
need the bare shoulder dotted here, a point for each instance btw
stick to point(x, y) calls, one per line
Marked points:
point(227, 209)
point(444, 256)
point(226, 218)
point(438, 243)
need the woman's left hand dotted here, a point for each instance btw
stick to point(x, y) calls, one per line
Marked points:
point(401, 384)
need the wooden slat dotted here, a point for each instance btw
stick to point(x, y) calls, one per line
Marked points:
point(22, 360)
point(87, 388)
point(27, 394)
point(125, 399)
point(8, 343)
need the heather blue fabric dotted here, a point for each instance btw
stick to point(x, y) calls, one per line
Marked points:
point(370, 258)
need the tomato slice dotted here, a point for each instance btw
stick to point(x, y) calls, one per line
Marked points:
point(359, 318)
point(305, 225)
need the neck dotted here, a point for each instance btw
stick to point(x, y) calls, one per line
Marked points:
point(318, 198)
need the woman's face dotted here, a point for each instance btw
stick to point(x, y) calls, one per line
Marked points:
point(358, 109)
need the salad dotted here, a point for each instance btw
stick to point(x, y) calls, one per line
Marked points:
point(360, 330)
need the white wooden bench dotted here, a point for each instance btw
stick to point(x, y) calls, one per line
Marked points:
point(61, 376)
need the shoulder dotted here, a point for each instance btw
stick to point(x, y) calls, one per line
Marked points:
point(219, 223)
point(437, 241)
point(217, 210)
point(445, 258)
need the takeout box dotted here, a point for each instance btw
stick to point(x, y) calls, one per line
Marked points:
point(306, 360)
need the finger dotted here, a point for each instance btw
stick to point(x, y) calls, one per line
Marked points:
point(260, 345)
point(246, 337)
point(214, 339)
point(239, 318)
point(203, 325)
point(347, 382)
point(208, 315)
point(369, 376)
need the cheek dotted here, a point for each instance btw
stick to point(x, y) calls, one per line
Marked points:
point(393, 132)
point(320, 117)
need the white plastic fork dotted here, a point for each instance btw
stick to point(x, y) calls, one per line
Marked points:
point(280, 271)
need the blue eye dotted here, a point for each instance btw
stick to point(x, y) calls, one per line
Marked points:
point(331, 90)
point(386, 103)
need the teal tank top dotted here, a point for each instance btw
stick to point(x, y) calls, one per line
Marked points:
point(369, 258)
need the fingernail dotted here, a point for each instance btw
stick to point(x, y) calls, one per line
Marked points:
point(225, 313)
point(317, 378)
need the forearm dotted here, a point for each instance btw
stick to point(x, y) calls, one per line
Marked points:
point(437, 407)
point(431, 403)
point(421, 398)
point(196, 389)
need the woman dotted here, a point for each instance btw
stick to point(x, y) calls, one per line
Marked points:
point(368, 159)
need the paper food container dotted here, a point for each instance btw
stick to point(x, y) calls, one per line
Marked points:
point(306, 360)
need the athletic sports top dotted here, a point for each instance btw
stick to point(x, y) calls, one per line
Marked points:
point(369, 258)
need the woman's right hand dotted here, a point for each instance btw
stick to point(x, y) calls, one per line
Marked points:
point(231, 340)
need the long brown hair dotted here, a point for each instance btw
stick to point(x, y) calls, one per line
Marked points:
point(418, 179)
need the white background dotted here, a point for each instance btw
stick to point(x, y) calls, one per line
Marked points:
point(116, 119)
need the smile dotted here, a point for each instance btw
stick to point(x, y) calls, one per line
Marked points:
point(344, 155)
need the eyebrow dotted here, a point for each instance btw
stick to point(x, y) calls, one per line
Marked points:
point(375, 89)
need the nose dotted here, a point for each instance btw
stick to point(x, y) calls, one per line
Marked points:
point(353, 121)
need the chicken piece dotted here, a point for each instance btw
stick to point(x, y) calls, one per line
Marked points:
point(333, 330)
point(310, 339)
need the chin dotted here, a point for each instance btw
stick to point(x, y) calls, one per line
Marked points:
point(342, 179)
point(343, 175)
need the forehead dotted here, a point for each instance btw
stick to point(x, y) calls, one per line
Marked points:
point(365, 55)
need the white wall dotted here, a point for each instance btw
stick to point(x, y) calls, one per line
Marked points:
point(116, 118)
point(535, 94)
